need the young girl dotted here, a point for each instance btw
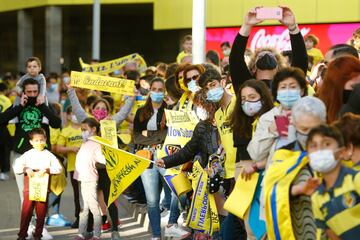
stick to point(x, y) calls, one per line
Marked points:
point(86, 173)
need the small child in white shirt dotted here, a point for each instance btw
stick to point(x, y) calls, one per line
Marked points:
point(36, 161)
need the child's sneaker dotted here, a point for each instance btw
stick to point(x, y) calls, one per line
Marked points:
point(175, 231)
point(30, 231)
point(79, 237)
point(57, 220)
point(46, 235)
point(106, 226)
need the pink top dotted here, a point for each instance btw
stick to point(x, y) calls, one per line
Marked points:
point(89, 154)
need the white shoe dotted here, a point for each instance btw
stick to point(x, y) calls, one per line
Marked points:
point(30, 231)
point(4, 176)
point(176, 232)
point(46, 235)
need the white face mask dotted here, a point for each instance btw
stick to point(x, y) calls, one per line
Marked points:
point(193, 87)
point(251, 108)
point(201, 113)
point(74, 119)
point(85, 135)
point(322, 161)
point(226, 52)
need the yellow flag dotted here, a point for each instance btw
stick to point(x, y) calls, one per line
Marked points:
point(102, 83)
point(243, 193)
point(122, 167)
point(107, 67)
point(108, 131)
point(38, 187)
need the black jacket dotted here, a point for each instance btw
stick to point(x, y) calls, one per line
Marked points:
point(153, 137)
point(353, 103)
point(240, 73)
point(30, 117)
point(201, 143)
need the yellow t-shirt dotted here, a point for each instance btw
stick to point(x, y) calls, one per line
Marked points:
point(180, 56)
point(316, 54)
point(5, 103)
point(70, 137)
point(226, 136)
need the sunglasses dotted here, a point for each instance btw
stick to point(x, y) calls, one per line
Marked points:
point(195, 77)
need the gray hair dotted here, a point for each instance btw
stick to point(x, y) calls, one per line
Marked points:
point(309, 106)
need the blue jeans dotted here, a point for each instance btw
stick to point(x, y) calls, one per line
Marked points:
point(54, 202)
point(166, 202)
point(151, 181)
point(174, 207)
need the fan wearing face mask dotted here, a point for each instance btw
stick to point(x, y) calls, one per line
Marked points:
point(336, 201)
point(254, 99)
point(287, 207)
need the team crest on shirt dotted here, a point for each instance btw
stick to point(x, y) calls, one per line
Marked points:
point(348, 200)
point(170, 149)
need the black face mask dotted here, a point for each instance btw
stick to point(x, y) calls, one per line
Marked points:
point(143, 91)
point(266, 62)
point(31, 100)
point(346, 95)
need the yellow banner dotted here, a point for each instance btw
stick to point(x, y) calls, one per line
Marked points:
point(105, 68)
point(122, 167)
point(108, 131)
point(102, 83)
point(38, 187)
point(243, 192)
point(180, 129)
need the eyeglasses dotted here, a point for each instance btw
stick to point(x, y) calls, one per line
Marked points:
point(195, 77)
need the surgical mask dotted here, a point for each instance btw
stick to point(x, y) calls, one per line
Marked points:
point(99, 114)
point(74, 119)
point(215, 94)
point(301, 138)
point(66, 80)
point(143, 91)
point(322, 161)
point(251, 108)
point(31, 100)
point(157, 97)
point(39, 146)
point(201, 113)
point(53, 87)
point(288, 97)
point(227, 52)
point(85, 135)
point(193, 87)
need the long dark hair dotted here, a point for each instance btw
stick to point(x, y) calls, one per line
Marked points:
point(147, 110)
point(240, 123)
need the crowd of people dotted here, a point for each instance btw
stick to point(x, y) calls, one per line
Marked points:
point(287, 124)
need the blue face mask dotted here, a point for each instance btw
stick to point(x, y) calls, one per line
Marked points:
point(157, 96)
point(193, 87)
point(288, 97)
point(215, 94)
point(53, 87)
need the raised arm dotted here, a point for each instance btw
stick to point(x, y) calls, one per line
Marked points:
point(123, 113)
point(76, 106)
point(238, 68)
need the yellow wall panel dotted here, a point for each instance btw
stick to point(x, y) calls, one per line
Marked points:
point(336, 10)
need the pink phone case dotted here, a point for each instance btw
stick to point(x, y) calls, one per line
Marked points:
point(269, 13)
point(282, 124)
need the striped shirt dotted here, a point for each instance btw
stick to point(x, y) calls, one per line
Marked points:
point(338, 208)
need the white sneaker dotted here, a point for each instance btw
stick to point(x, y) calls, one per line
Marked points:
point(176, 232)
point(30, 231)
point(46, 235)
point(4, 176)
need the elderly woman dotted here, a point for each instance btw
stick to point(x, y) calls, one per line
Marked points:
point(288, 208)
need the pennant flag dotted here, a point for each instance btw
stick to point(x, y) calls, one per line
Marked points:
point(122, 167)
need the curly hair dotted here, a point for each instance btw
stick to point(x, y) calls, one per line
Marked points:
point(210, 107)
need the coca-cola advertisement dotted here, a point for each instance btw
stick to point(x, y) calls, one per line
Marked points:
point(278, 36)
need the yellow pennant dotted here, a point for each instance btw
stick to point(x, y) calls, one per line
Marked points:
point(38, 187)
point(102, 83)
point(122, 167)
point(105, 68)
point(108, 131)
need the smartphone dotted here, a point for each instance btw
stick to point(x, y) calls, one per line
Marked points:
point(282, 124)
point(269, 13)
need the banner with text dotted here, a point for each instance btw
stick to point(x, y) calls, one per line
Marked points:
point(107, 67)
point(102, 83)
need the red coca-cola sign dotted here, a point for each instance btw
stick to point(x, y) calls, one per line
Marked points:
point(278, 36)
